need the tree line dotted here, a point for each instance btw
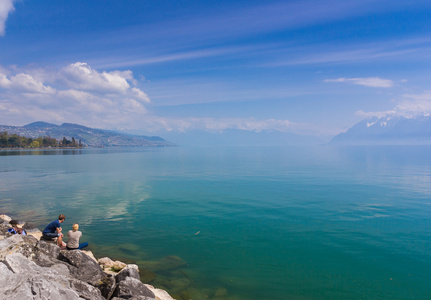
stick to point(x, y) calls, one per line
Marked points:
point(17, 141)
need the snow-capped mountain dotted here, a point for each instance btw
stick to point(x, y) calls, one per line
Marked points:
point(388, 130)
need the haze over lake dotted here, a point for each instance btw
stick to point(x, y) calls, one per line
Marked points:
point(239, 222)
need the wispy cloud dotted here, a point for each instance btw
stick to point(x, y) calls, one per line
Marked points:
point(246, 20)
point(411, 49)
point(219, 125)
point(116, 62)
point(6, 7)
point(375, 82)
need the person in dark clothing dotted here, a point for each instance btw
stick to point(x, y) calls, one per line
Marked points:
point(53, 230)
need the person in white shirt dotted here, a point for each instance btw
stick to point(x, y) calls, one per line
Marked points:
point(73, 237)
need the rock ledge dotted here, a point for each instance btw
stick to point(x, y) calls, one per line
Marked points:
point(34, 269)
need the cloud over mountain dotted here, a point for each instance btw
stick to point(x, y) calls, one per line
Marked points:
point(408, 105)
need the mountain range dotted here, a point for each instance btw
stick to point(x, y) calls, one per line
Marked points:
point(388, 130)
point(89, 136)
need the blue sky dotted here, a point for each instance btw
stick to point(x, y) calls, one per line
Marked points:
point(306, 67)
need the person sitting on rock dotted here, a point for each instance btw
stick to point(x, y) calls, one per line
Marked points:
point(73, 237)
point(15, 229)
point(53, 230)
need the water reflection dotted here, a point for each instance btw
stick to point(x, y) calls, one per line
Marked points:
point(291, 220)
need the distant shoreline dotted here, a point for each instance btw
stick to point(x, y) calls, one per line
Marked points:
point(44, 148)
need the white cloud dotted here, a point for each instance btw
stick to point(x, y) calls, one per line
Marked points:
point(6, 7)
point(76, 93)
point(81, 76)
point(80, 94)
point(409, 105)
point(367, 81)
point(415, 103)
point(25, 83)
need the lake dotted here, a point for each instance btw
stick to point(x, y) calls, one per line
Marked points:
point(242, 223)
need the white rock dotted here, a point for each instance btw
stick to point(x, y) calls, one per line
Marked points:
point(160, 294)
point(105, 262)
point(118, 265)
point(6, 218)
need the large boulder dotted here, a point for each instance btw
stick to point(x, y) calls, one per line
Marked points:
point(18, 263)
point(127, 272)
point(48, 249)
point(132, 287)
point(5, 219)
point(82, 267)
point(35, 232)
point(107, 286)
point(86, 291)
point(17, 243)
point(30, 281)
point(160, 294)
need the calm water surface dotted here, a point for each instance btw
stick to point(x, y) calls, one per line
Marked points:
point(242, 223)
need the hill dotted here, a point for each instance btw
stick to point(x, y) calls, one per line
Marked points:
point(388, 130)
point(91, 137)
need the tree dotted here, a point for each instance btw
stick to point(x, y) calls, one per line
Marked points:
point(4, 139)
point(14, 141)
point(34, 144)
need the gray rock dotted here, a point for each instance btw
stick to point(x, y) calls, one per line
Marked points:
point(35, 286)
point(131, 287)
point(86, 291)
point(127, 272)
point(18, 263)
point(48, 249)
point(4, 270)
point(45, 260)
point(17, 243)
point(107, 286)
point(3, 229)
point(133, 298)
point(82, 267)
point(45, 289)
point(21, 289)
point(31, 281)
point(61, 269)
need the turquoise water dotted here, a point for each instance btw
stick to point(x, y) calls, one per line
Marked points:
point(242, 223)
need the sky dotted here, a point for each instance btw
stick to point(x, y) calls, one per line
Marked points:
point(306, 67)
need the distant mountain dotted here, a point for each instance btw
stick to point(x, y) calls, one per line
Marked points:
point(236, 137)
point(89, 136)
point(389, 130)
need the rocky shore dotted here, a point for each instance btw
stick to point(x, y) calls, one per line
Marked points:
point(31, 268)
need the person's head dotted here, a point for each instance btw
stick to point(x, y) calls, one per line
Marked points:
point(14, 223)
point(75, 227)
point(61, 218)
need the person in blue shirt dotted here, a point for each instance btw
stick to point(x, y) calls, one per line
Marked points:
point(53, 230)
